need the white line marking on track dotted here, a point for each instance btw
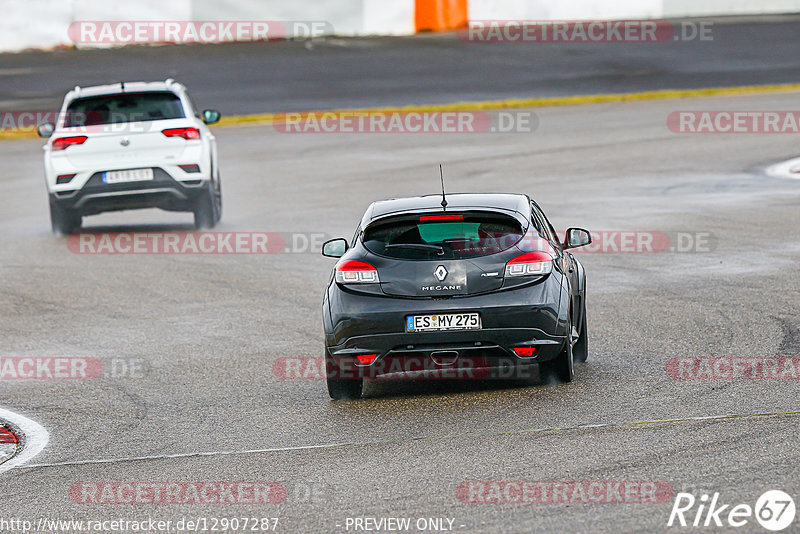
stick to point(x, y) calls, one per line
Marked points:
point(416, 438)
point(34, 438)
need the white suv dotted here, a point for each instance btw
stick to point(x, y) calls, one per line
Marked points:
point(129, 146)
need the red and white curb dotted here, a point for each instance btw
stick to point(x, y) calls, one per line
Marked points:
point(8, 444)
point(20, 439)
point(785, 169)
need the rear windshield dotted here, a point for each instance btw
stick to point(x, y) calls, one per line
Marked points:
point(120, 108)
point(420, 239)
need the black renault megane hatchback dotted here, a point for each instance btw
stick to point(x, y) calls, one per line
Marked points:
point(449, 286)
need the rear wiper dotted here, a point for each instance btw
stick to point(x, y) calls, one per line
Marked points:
point(417, 246)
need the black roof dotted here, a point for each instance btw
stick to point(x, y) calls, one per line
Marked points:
point(518, 206)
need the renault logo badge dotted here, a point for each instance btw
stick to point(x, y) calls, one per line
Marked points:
point(440, 273)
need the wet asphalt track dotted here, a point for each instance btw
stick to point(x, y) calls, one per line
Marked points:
point(208, 329)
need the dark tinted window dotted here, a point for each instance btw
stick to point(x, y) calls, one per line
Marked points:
point(121, 108)
point(537, 224)
point(470, 237)
point(547, 231)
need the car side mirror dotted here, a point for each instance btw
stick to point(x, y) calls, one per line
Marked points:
point(577, 237)
point(335, 248)
point(211, 116)
point(46, 130)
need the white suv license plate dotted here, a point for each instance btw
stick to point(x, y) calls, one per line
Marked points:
point(131, 175)
point(448, 321)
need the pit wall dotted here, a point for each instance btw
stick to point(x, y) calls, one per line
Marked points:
point(43, 24)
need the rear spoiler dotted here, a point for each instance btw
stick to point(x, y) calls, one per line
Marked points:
point(523, 220)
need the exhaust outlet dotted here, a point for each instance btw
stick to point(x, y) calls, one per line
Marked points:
point(444, 358)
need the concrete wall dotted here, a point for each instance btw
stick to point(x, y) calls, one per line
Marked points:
point(347, 17)
point(33, 24)
point(680, 8)
point(388, 17)
point(564, 10)
point(622, 9)
point(44, 23)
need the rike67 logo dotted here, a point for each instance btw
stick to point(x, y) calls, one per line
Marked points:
point(774, 511)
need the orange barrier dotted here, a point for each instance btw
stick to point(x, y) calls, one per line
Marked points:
point(440, 15)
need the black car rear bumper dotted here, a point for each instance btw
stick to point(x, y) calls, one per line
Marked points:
point(532, 316)
point(162, 192)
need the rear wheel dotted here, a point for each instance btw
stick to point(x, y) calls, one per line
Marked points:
point(580, 350)
point(207, 209)
point(217, 201)
point(561, 369)
point(341, 388)
point(64, 221)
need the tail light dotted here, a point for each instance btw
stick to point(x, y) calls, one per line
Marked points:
point(530, 264)
point(356, 272)
point(525, 352)
point(441, 218)
point(366, 359)
point(62, 143)
point(192, 169)
point(64, 179)
point(186, 133)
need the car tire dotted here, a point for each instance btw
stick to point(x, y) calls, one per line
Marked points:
point(341, 388)
point(217, 201)
point(205, 209)
point(560, 370)
point(580, 351)
point(64, 222)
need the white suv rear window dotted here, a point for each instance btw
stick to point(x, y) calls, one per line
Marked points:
point(124, 107)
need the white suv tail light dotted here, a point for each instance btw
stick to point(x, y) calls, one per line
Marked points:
point(63, 143)
point(185, 133)
point(530, 264)
point(356, 272)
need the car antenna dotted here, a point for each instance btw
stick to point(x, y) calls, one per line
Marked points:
point(122, 86)
point(444, 198)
